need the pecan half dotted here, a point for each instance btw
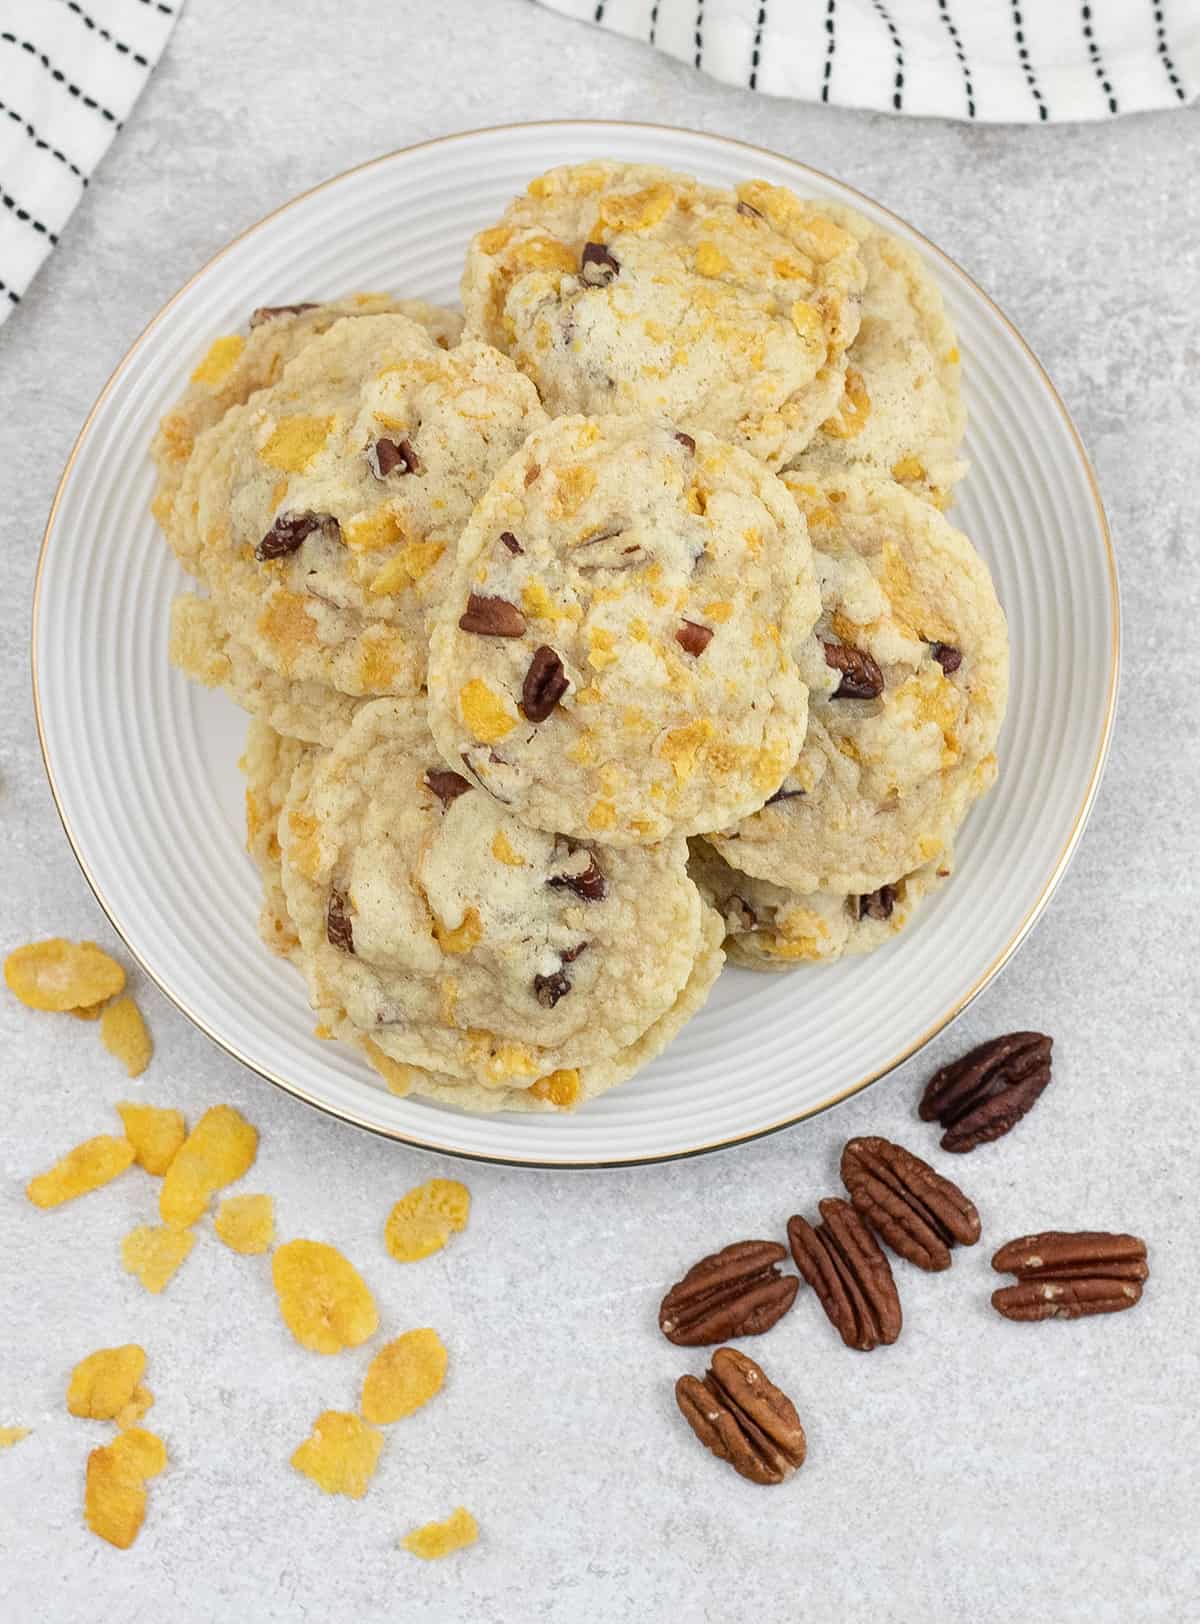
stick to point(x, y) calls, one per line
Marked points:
point(588, 885)
point(339, 928)
point(980, 1096)
point(1067, 1276)
point(916, 1211)
point(291, 530)
point(748, 208)
point(947, 656)
point(693, 638)
point(597, 267)
point(446, 784)
point(686, 441)
point(385, 456)
point(509, 540)
point(843, 1264)
point(737, 1291)
point(492, 617)
point(545, 684)
point(879, 904)
point(739, 1414)
point(861, 677)
point(549, 989)
point(269, 313)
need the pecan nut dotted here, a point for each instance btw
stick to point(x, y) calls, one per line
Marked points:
point(914, 1210)
point(743, 1418)
point(544, 685)
point(1068, 1276)
point(492, 617)
point(842, 1262)
point(737, 1291)
point(980, 1096)
point(861, 676)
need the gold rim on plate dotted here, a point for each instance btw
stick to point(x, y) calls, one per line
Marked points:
point(956, 1009)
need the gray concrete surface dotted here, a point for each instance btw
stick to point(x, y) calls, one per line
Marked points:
point(977, 1471)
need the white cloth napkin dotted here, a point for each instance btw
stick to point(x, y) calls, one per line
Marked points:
point(70, 71)
point(1000, 61)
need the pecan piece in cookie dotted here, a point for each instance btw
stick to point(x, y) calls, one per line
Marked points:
point(843, 1264)
point(507, 537)
point(980, 1096)
point(269, 313)
point(916, 1211)
point(861, 676)
point(386, 456)
point(597, 267)
point(879, 904)
point(291, 530)
point(737, 1291)
point(446, 784)
point(586, 881)
point(549, 989)
point(1069, 1276)
point(338, 926)
point(544, 685)
point(492, 617)
point(947, 656)
point(743, 1418)
point(693, 638)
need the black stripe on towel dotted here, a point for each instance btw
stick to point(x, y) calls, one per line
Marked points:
point(1027, 65)
point(598, 16)
point(699, 57)
point(94, 26)
point(654, 22)
point(157, 5)
point(1094, 52)
point(898, 85)
point(961, 55)
point(43, 146)
point(756, 49)
point(59, 77)
point(13, 298)
point(1160, 45)
point(24, 214)
point(830, 47)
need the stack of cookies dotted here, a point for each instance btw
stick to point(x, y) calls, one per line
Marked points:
point(612, 630)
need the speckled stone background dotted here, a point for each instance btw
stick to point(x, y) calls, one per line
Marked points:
point(977, 1471)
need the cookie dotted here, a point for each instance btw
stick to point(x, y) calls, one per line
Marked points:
point(270, 762)
point(461, 941)
point(203, 650)
point(613, 658)
point(325, 511)
point(908, 680)
point(902, 413)
point(625, 288)
point(770, 928)
point(234, 367)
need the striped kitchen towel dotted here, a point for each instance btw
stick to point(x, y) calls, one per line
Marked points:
point(70, 72)
point(1002, 61)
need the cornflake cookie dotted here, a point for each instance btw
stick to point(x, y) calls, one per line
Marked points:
point(901, 413)
point(234, 368)
point(613, 658)
point(324, 513)
point(769, 928)
point(270, 762)
point(624, 288)
point(453, 939)
point(202, 648)
point(908, 673)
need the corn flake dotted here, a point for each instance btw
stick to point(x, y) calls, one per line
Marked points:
point(114, 1499)
point(154, 1252)
point(340, 1454)
point(89, 1166)
point(130, 1414)
point(155, 1132)
point(13, 1435)
point(325, 1302)
point(58, 974)
point(104, 1383)
point(437, 1539)
point(123, 1033)
point(246, 1223)
point(404, 1375)
point(421, 1222)
point(219, 1149)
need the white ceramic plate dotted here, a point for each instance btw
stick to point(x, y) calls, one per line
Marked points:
point(142, 764)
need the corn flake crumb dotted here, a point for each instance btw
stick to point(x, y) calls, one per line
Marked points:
point(340, 1454)
point(326, 1304)
point(403, 1375)
point(13, 1435)
point(89, 1166)
point(114, 1498)
point(123, 1033)
point(104, 1383)
point(57, 974)
point(155, 1132)
point(421, 1222)
point(154, 1252)
point(220, 360)
point(219, 1149)
point(130, 1414)
point(436, 1539)
point(246, 1223)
